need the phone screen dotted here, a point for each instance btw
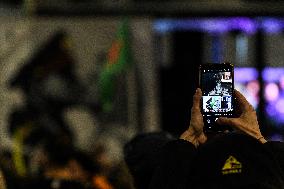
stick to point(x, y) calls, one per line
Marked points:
point(217, 85)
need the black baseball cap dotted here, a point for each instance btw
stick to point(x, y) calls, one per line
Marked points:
point(237, 161)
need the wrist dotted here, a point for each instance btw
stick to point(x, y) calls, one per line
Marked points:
point(196, 138)
point(189, 136)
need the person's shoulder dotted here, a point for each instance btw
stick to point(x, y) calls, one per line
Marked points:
point(237, 159)
point(275, 146)
point(180, 145)
point(277, 149)
point(178, 150)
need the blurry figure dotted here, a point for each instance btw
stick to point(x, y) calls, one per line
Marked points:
point(50, 84)
point(141, 155)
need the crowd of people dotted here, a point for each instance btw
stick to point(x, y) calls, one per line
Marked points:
point(58, 163)
point(239, 159)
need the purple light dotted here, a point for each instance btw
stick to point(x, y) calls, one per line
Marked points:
point(221, 25)
point(281, 82)
point(273, 95)
point(279, 106)
point(245, 24)
point(252, 98)
point(212, 25)
point(272, 74)
point(270, 109)
point(271, 92)
point(215, 25)
point(190, 24)
point(253, 87)
point(245, 74)
point(272, 25)
point(276, 112)
point(247, 84)
point(276, 137)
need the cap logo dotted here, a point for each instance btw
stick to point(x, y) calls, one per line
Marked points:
point(232, 166)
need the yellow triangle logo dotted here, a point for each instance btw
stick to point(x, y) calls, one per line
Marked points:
point(232, 166)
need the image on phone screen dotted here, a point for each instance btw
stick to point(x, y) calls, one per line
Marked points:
point(217, 88)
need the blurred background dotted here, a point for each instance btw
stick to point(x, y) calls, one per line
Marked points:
point(80, 78)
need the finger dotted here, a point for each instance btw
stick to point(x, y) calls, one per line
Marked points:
point(196, 101)
point(241, 101)
point(228, 121)
point(236, 123)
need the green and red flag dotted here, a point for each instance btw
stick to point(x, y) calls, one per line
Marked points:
point(117, 62)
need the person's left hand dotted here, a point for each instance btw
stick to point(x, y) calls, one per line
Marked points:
point(194, 134)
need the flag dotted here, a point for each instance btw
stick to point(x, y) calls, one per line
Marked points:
point(117, 61)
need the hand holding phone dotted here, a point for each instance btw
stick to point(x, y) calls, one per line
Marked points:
point(194, 134)
point(217, 84)
point(246, 120)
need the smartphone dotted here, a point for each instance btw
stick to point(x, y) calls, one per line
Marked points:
point(216, 81)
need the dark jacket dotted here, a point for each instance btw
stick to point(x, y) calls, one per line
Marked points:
point(229, 161)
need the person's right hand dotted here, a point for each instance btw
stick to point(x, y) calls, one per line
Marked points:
point(247, 120)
